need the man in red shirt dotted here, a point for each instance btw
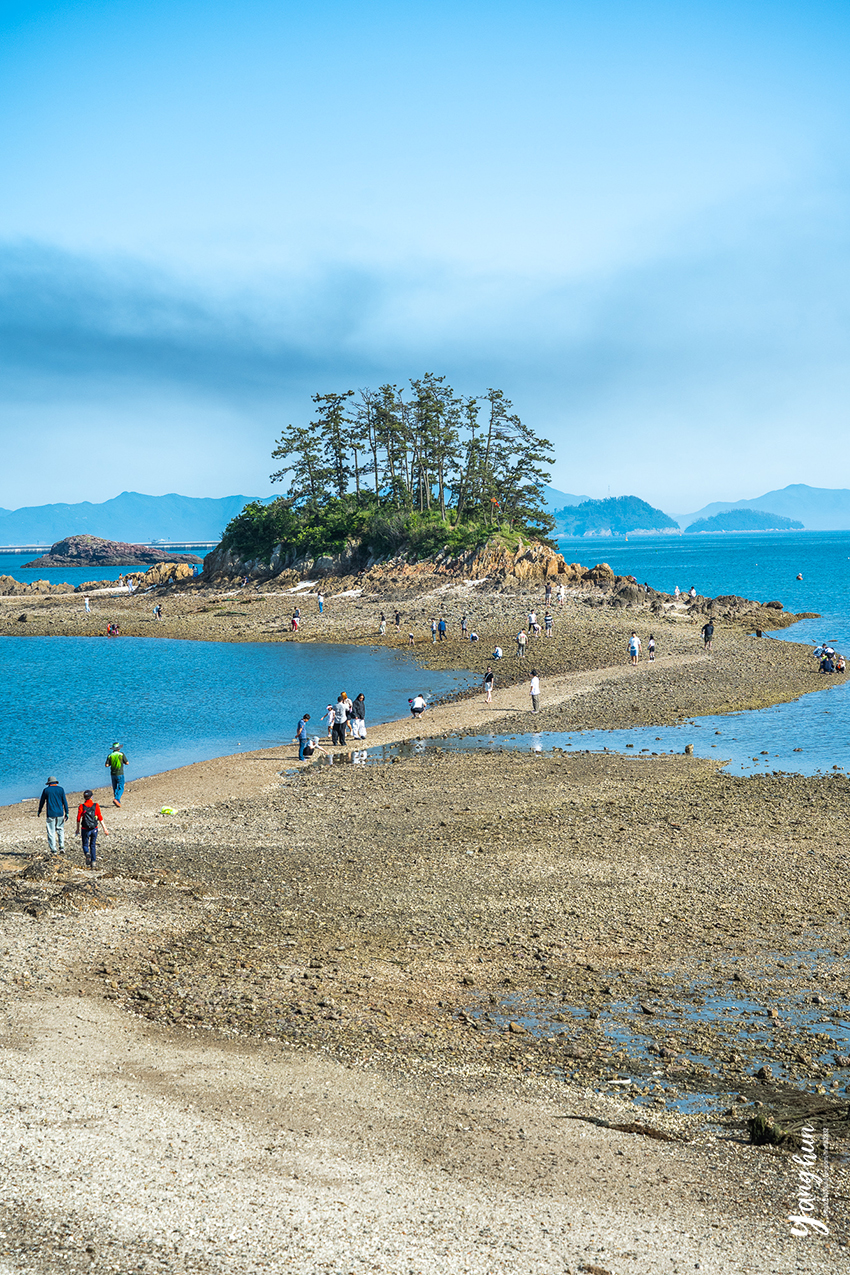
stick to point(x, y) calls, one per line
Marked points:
point(88, 820)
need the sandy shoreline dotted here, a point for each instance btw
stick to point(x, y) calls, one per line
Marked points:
point(298, 993)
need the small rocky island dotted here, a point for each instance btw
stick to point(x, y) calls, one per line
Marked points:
point(90, 551)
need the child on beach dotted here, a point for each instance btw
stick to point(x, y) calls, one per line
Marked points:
point(88, 819)
point(651, 647)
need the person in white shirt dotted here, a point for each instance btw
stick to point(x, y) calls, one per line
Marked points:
point(417, 706)
point(634, 648)
point(535, 691)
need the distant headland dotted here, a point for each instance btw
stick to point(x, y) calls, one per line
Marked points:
point(90, 551)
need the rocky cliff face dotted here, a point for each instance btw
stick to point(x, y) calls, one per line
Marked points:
point(90, 551)
point(530, 562)
point(225, 564)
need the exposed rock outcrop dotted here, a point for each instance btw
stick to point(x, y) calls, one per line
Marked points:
point(529, 563)
point(84, 551)
point(10, 587)
point(162, 573)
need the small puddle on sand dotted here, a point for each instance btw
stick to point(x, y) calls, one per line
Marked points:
point(687, 1049)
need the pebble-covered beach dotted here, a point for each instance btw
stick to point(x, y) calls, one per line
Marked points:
point(460, 1012)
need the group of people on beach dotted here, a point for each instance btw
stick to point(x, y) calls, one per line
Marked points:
point(344, 718)
point(348, 719)
point(829, 660)
point(636, 646)
point(54, 802)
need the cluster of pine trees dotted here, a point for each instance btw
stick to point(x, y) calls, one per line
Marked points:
point(418, 468)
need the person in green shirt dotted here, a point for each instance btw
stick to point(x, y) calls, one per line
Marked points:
point(116, 761)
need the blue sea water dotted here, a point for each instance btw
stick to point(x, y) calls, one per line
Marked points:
point(759, 565)
point(63, 700)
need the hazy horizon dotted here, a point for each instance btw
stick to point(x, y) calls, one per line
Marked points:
point(632, 219)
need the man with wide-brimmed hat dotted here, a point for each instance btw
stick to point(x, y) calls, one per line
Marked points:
point(56, 803)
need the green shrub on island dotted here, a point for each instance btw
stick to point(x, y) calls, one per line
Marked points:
point(745, 520)
point(615, 516)
point(394, 472)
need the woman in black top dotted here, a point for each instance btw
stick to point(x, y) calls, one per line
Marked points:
point(358, 717)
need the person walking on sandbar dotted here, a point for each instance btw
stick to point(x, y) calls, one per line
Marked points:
point(53, 797)
point(358, 717)
point(488, 685)
point(340, 719)
point(89, 820)
point(116, 761)
point(634, 647)
point(534, 688)
point(301, 735)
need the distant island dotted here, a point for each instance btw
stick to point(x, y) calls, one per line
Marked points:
point(745, 520)
point(89, 551)
point(818, 508)
point(614, 516)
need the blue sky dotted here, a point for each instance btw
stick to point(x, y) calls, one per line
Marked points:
point(632, 217)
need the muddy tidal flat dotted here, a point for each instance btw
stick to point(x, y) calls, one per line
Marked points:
point(463, 1012)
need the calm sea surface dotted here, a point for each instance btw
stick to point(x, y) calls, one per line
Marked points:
point(64, 700)
point(759, 565)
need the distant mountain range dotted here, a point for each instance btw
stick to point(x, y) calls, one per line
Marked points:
point(137, 518)
point(129, 517)
point(818, 508)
